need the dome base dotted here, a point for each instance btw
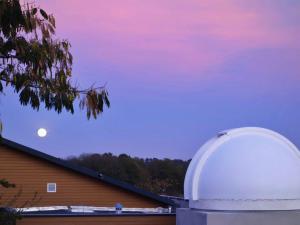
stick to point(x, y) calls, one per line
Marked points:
point(201, 217)
point(246, 205)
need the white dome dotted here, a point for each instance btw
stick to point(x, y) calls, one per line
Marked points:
point(245, 169)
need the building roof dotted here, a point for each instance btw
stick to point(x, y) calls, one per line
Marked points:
point(84, 171)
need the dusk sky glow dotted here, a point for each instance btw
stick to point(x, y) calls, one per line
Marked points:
point(177, 72)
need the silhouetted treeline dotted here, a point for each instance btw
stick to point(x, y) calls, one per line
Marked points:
point(161, 176)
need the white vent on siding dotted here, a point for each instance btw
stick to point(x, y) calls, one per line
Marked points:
point(51, 187)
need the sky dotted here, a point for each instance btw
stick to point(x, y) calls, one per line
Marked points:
point(177, 73)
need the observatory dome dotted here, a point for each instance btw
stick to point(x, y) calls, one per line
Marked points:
point(245, 169)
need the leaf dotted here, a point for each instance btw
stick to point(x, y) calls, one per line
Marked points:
point(34, 100)
point(100, 103)
point(4, 183)
point(52, 20)
point(44, 14)
point(106, 100)
point(34, 11)
point(51, 29)
point(24, 96)
point(1, 128)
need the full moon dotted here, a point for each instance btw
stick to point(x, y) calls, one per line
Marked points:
point(42, 132)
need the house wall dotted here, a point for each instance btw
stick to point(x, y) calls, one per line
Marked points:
point(32, 174)
point(100, 220)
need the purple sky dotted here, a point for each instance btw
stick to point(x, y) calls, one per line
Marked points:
point(178, 71)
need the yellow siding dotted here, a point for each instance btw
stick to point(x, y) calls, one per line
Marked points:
point(32, 175)
point(120, 220)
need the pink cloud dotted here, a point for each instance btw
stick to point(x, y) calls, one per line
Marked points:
point(183, 36)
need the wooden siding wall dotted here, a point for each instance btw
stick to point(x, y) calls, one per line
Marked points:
point(32, 174)
point(118, 220)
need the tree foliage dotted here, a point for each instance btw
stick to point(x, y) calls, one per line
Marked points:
point(161, 176)
point(7, 215)
point(11, 207)
point(37, 65)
